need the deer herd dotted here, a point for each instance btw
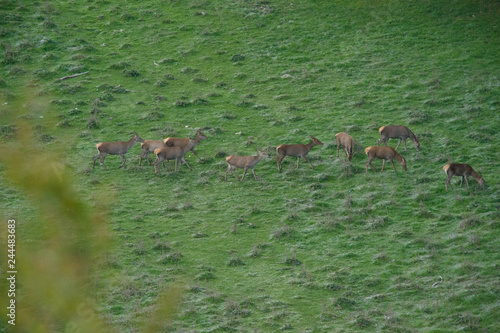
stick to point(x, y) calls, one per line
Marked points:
point(176, 149)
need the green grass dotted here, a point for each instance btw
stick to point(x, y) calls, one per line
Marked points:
point(329, 249)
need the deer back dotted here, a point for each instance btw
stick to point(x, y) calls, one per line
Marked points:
point(118, 147)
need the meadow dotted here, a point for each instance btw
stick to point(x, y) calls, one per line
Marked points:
point(334, 249)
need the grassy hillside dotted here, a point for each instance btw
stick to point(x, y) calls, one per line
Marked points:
point(329, 249)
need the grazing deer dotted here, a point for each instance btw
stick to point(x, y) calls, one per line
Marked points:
point(149, 146)
point(463, 170)
point(347, 143)
point(181, 142)
point(244, 162)
point(397, 132)
point(298, 150)
point(385, 154)
point(172, 153)
point(115, 148)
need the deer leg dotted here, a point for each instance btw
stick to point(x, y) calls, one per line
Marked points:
point(140, 158)
point(398, 144)
point(254, 175)
point(298, 160)
point(103, 156)
point(225, 174)
point(234, 174)
point(448, 182)
point(278, 161)
point(381, 141)
point(157, 169)
point(405, 144)
point(393, 165)
point(369, 163)
point(123, 161)
point(338, 146)
point(244, 173)
point(467, 181)
point(95, 159)
point(346, 154)
point(201, 161)
point(184, 161)
point(383, 164)
point(309, 162)
point(461, 181)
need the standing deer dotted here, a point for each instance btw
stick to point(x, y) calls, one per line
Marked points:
point(463, 170)
point(115, 148)
point(181, 142)
point(385, 154)
point(172, 153)
point(397, 132)
point(149, 146)
point(298, 150)
point(347, 143)
point(244, 162)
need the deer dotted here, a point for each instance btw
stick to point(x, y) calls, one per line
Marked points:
point(181, 142)
point(397, 132)
point(347, 143)
point(244, 162)
point(461, 170)
point(149, 146)
point(115, 148)
point(385, 154)
point(172, 153)
point(299, 150)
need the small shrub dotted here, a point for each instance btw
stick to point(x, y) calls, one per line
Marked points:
point(161, 83)
point(284, 231)
point(237, 57)
point(8, 131)
point(131, 73)
point(235, 261)
point(64, 123)
point(189, 70)
point(469, 220)
point(173, 257)
point(240, 75)
point(292, 260)
point(181, 103)
point(220, 153)
point(120, 65)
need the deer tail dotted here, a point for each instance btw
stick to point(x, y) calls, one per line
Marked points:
point(381, 129)
point(367, 150)
point(445, 168)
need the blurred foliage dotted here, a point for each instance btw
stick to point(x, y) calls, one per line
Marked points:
point(58, 262)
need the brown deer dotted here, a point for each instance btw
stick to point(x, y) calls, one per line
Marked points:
point(244, 162)
point(149, 146)
point(298, 150)
point(347, 143)
point(385, 154)
point(461, 170)
point(115, 148)
point(397, 132)
point(181, 142)
point(172, 153)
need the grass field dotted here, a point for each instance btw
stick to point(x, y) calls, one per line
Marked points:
point(332, 249)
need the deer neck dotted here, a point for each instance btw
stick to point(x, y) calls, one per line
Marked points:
point(197, 139)
point(130, 143)
point(258, 157)
point(399, 158)
point(476, 176)
point(310, 145)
